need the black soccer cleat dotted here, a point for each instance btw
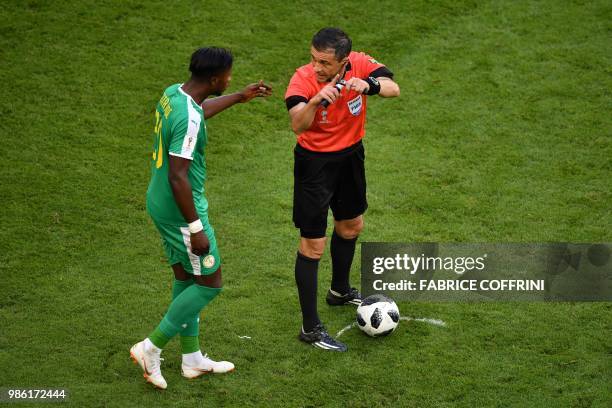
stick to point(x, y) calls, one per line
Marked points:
point(353, 297)
point(319, 337)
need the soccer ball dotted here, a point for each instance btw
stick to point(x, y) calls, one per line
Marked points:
point(377, 315)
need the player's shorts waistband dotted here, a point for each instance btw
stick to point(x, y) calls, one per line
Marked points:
point(339, 153)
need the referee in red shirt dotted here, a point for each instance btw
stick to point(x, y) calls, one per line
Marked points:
point(327, 102)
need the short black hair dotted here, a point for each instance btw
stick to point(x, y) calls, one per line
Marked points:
point(210, 61)
point(334, 39)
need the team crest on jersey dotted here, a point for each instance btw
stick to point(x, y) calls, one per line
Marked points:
point(355, 105)
point(373, 61)
point(208, 261)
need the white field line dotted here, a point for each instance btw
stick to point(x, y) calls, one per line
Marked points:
point(435, 322)
point(350, 326)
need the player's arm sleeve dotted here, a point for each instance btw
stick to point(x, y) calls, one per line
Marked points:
point(297, 92)
point(381, 72)
point(375, 69)
point(184, 135)
point(294, 100)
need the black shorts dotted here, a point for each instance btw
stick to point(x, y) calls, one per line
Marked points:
point(324, 180)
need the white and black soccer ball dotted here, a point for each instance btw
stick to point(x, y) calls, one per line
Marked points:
point(377, 315)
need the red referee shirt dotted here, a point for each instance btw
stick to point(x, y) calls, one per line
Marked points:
point(342, 123)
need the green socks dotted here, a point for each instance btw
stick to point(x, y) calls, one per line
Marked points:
point(184, 309)
point(189, 335)
point(158, 338)
point(178, 286)
point(192, 328)
point(189, 344)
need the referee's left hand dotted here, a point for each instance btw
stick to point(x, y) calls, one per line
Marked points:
point(259, 89)
point(356, 84)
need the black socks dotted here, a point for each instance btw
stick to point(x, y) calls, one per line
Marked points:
point(306, 270)
point(342, 252)
point(306, 278)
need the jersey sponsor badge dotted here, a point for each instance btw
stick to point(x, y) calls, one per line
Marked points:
point(208, 261)
point(355, 105)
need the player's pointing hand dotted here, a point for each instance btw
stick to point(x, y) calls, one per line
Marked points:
point(259, 89)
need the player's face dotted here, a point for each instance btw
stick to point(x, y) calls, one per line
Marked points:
point(325, 64)
point(221, 82)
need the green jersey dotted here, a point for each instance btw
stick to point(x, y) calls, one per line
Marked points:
point(180, 131)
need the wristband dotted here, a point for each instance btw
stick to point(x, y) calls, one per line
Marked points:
point(374, 86)
point(196, 226)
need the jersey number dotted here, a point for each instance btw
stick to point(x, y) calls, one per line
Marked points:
point(158, 153)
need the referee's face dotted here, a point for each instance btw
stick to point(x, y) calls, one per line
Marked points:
point(325, 64)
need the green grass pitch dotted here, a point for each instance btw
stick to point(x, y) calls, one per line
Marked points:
point(502, 134)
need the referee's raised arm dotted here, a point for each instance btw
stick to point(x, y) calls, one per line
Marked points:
point(303, 113)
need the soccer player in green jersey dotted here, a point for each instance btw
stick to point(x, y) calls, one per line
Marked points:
point(178, 207)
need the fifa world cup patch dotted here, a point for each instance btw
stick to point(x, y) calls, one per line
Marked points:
point(355, 105)
point(208, 261)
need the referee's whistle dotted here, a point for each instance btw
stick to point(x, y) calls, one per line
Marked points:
point(339, 86)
